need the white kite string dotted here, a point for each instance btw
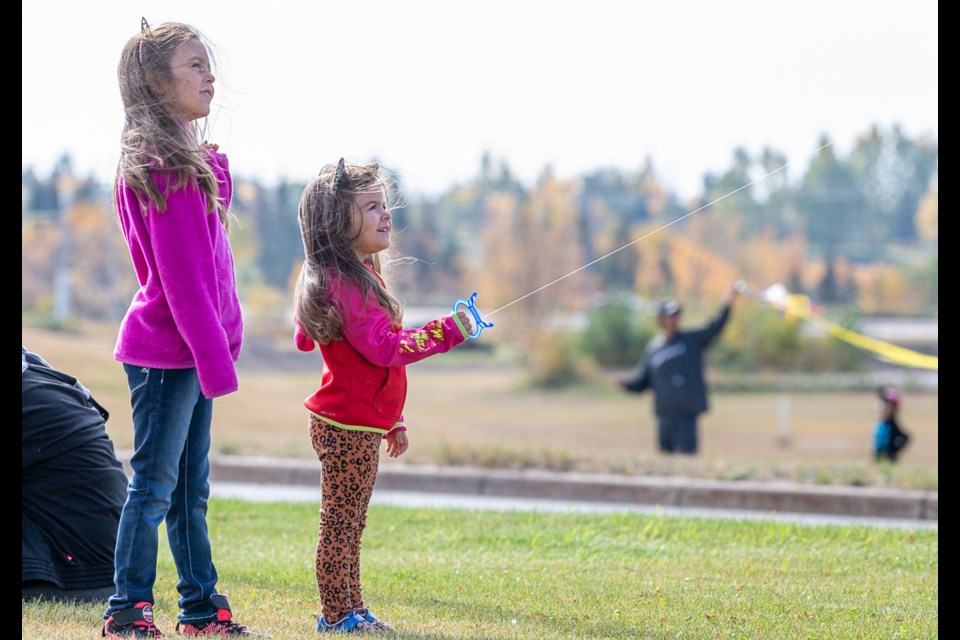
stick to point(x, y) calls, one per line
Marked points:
point(683, 217)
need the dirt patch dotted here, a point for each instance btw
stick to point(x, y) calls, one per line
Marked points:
point(474, 410)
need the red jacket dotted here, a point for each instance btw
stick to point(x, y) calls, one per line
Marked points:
point(364, 381)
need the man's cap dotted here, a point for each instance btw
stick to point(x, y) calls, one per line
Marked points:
point(669, 308)
point(890, 396)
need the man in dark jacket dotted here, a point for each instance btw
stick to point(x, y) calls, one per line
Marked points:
point(72, 487)
point(672, 366)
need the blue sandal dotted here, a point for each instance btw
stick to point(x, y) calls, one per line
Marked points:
point(375, 622)
point(350, 623)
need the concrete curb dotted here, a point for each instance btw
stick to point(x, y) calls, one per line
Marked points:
point(668, 492)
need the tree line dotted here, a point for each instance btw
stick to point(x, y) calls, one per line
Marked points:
point(858, 231)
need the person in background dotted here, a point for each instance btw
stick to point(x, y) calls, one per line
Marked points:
point(672, 366)
point(72, 487)
point(889, 438)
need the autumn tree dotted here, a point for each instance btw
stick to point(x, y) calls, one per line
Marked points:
point(893, 173)
point(833, 205)
point(39, 240)
point(732, 194)
point(927, 220)
point(531, 251)
point(776, 195)
point(98, 257)
point(274, 215)
point(429, 267)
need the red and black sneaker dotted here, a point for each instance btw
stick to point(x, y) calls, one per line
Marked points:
point(222, 625)
point(135, 622)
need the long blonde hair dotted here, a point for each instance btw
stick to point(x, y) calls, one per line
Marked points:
point(155, 139)
point(326, 226)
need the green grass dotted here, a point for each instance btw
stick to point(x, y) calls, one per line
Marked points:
point(443, 573)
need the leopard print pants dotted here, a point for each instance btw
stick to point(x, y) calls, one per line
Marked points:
point(349, 461)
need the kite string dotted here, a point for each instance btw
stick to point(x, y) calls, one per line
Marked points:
point(604, 257)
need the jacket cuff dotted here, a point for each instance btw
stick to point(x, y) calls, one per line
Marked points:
point(463, 331)
point(396, 429)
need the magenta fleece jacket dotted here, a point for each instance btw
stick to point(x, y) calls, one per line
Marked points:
point(186, 313)
point(363, 385)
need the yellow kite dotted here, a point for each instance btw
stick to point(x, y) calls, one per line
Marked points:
point(799, 306)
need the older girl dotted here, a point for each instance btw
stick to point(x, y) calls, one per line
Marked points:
point(181, 335)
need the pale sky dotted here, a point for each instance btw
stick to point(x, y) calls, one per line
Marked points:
point(426, 87)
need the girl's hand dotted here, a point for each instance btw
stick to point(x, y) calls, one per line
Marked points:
point(466, 319)
point(210, 146)
point(397, 443)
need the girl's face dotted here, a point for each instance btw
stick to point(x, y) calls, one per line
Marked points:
point(192, 80)
point(371, 224)
point(886, 409)
point(670, 324)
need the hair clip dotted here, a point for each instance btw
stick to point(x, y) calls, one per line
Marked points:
point(338, 176)
point(144, 32)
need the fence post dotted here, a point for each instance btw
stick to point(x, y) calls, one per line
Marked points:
point(784, 412)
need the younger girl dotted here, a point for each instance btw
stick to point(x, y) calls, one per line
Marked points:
point(182, 332)
point(342, 303)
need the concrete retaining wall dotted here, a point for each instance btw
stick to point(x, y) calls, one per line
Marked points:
point(674, 492)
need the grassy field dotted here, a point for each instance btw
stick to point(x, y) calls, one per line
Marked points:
point(446, 574)
point(472, 408)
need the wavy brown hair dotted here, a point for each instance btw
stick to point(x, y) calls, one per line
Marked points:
point(326, 226)
point(155, 138)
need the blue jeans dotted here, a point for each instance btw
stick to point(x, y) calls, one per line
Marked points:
point(171, 437)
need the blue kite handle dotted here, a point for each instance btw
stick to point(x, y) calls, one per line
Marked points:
point(472, 308)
